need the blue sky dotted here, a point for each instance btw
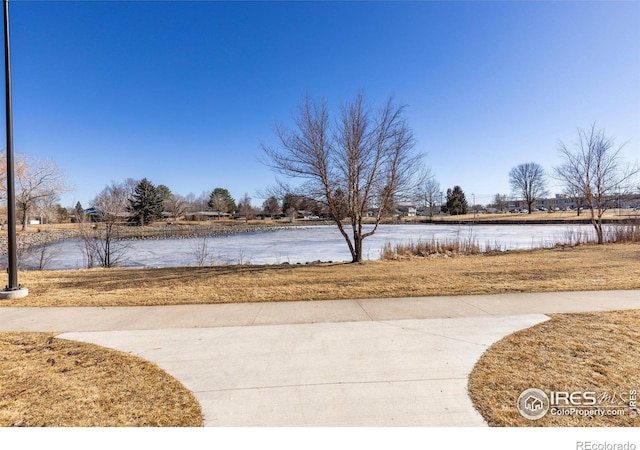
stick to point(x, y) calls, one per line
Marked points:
point(183, 93)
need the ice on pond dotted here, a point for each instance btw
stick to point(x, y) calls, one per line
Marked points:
point(299, 245)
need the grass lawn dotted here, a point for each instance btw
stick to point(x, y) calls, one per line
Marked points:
point(595, 352)
point(48, 381)
point(52, 382)
point(571, 269)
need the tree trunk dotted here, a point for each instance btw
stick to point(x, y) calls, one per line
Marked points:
point(357, 248)
point(597, 224)
point(596, 221)
point(107, 252)
point(600, 233)
point(24, 218)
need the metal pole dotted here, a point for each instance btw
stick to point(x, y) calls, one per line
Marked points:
point(12, 258)
point(474, 206)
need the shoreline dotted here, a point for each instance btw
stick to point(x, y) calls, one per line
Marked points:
point(155, 232)
point(530, 222)
point(43, 236)
point(525, 219)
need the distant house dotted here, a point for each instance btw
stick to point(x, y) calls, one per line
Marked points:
point(307, 215)
point(95, 215)
point(373, 212)
point(202, 216)
point(407, 211)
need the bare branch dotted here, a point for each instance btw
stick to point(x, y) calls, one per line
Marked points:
point(38, 182)
point(528, 180)
point(593, 170)
point(358, 164)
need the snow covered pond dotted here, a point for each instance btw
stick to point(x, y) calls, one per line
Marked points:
point(305, 244)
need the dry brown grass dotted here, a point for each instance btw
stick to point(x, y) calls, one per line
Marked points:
point(581, 268)
point(571, 352)
point(46, 381)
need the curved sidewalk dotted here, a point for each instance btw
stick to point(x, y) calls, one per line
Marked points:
point(370, 362)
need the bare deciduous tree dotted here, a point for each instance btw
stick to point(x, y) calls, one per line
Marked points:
point(129, 185)
point(34, 255)
point(44, 253)
point(45, 210)
point(430, 195)
point(576, 196)
point(528, 180)
point(200, 250)
point(593, 169)
point(102, 241)
point(500, 202)
point(245, 209)
point(176, 205)
point(38, 182)
point(366, 156)
point(202, 202)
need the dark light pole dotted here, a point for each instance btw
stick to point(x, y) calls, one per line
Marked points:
point(13, 289)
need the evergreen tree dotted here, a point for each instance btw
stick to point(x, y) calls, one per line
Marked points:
point(63, 214)
point(79, 212)
point(456, 202)
point(146, 204)
point(163, 191)
point(221, 201)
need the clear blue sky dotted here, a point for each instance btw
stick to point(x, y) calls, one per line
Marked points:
point(183, 93)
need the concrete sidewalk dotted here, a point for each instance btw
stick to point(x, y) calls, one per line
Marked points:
point(372, 362)
point(61, 319)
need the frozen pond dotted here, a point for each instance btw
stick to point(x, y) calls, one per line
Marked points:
point(307, 244)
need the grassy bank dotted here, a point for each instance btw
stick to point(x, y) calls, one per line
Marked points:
point(591, 352)
point(586, 267)
point(51, 382)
